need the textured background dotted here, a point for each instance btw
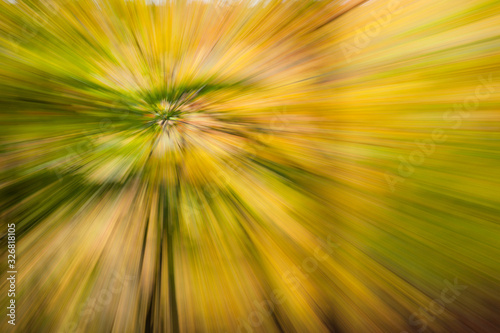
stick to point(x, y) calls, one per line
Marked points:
point(251, 166)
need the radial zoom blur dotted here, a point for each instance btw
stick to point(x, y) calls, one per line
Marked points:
point(250, 166)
